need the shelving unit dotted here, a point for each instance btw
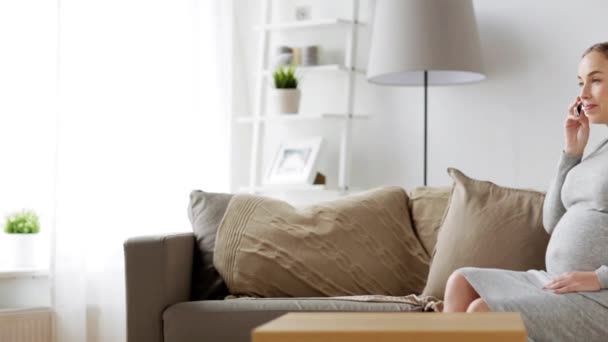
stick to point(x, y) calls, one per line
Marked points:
point(259, 119)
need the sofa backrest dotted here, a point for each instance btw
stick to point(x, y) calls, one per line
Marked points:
point(206, 210)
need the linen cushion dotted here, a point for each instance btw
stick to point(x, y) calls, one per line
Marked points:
point(359, 244)
point(488, 226)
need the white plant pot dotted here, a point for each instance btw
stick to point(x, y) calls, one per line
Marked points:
point(285, 101)
point(22, 250)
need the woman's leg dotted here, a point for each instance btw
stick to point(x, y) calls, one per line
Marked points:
point(459, 294)
point(478, 305)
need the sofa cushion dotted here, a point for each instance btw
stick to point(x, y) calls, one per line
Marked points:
point(427, 206)
point(355, 245)
point(205, 211)
point(233, 320)
point(490, 226)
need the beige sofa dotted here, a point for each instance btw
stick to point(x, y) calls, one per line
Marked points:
point(174, 294)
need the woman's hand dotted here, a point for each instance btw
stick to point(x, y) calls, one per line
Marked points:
point(574, 282)
point(577, 131)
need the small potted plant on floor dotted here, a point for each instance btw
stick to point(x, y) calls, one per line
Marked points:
point(286, 92)
point(22, 228)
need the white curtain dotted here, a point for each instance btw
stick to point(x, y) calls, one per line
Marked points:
point(144, 103)
point(28, 59)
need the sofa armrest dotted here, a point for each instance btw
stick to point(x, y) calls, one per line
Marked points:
point(158, 272)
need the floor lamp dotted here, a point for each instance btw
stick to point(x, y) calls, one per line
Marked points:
point(424, 42)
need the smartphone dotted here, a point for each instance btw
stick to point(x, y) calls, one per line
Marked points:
point(579, 108)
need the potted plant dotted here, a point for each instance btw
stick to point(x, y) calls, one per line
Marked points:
point(286, 92)
point(22, 228)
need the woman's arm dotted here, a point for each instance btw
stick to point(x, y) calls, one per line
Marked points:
point(576, 130)
point(553, 207)
point(579, 281)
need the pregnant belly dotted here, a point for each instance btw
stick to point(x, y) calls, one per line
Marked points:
point(579, 242)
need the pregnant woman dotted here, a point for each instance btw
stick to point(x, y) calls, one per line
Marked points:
point(568, 302)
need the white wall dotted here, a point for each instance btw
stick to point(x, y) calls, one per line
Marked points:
point(24, 291)
point(506, 129)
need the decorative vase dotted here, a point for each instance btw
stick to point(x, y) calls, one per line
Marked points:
point(286, 101)
point(22, 250)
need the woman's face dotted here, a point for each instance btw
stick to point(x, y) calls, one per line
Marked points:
point(593, 81)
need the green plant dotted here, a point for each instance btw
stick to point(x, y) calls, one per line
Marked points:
point(285, 77)
point(24, 222)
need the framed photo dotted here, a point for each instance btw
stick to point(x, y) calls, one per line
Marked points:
point(295, 162)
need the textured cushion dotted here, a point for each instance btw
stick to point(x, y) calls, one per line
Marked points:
point(359, 244)
point(487, 225)
point(205, 211)
point(427, 206)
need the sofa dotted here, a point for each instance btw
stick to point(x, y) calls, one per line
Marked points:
point(174, 293)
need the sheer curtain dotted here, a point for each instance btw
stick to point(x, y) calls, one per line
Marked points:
point(143, 119)
point(28, 59)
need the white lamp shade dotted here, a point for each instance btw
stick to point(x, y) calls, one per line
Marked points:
point(413, 36)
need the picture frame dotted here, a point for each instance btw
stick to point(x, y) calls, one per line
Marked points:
point(294, 162)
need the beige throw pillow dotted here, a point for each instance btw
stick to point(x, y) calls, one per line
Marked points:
point(360, 244)
point(427, 207)
point(489, 226)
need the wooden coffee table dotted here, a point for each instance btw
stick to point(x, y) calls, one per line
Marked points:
point(393, 327)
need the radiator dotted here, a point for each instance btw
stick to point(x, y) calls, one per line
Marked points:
point(26, 325)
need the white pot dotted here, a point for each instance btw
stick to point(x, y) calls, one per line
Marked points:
point(22, 250)
point(285, 101)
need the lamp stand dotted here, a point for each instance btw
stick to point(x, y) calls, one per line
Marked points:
point(426, 82)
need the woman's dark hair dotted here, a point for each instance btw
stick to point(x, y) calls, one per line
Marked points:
point(599, 47)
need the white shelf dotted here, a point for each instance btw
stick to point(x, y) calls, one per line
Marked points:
point(26, 310)
point(23, 273)
point(289, 117)
point(286, 187)
point(269, 189)
point(308, 24)
point(320, 68)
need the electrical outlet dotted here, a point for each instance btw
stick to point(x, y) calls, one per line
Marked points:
point(303, 12)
